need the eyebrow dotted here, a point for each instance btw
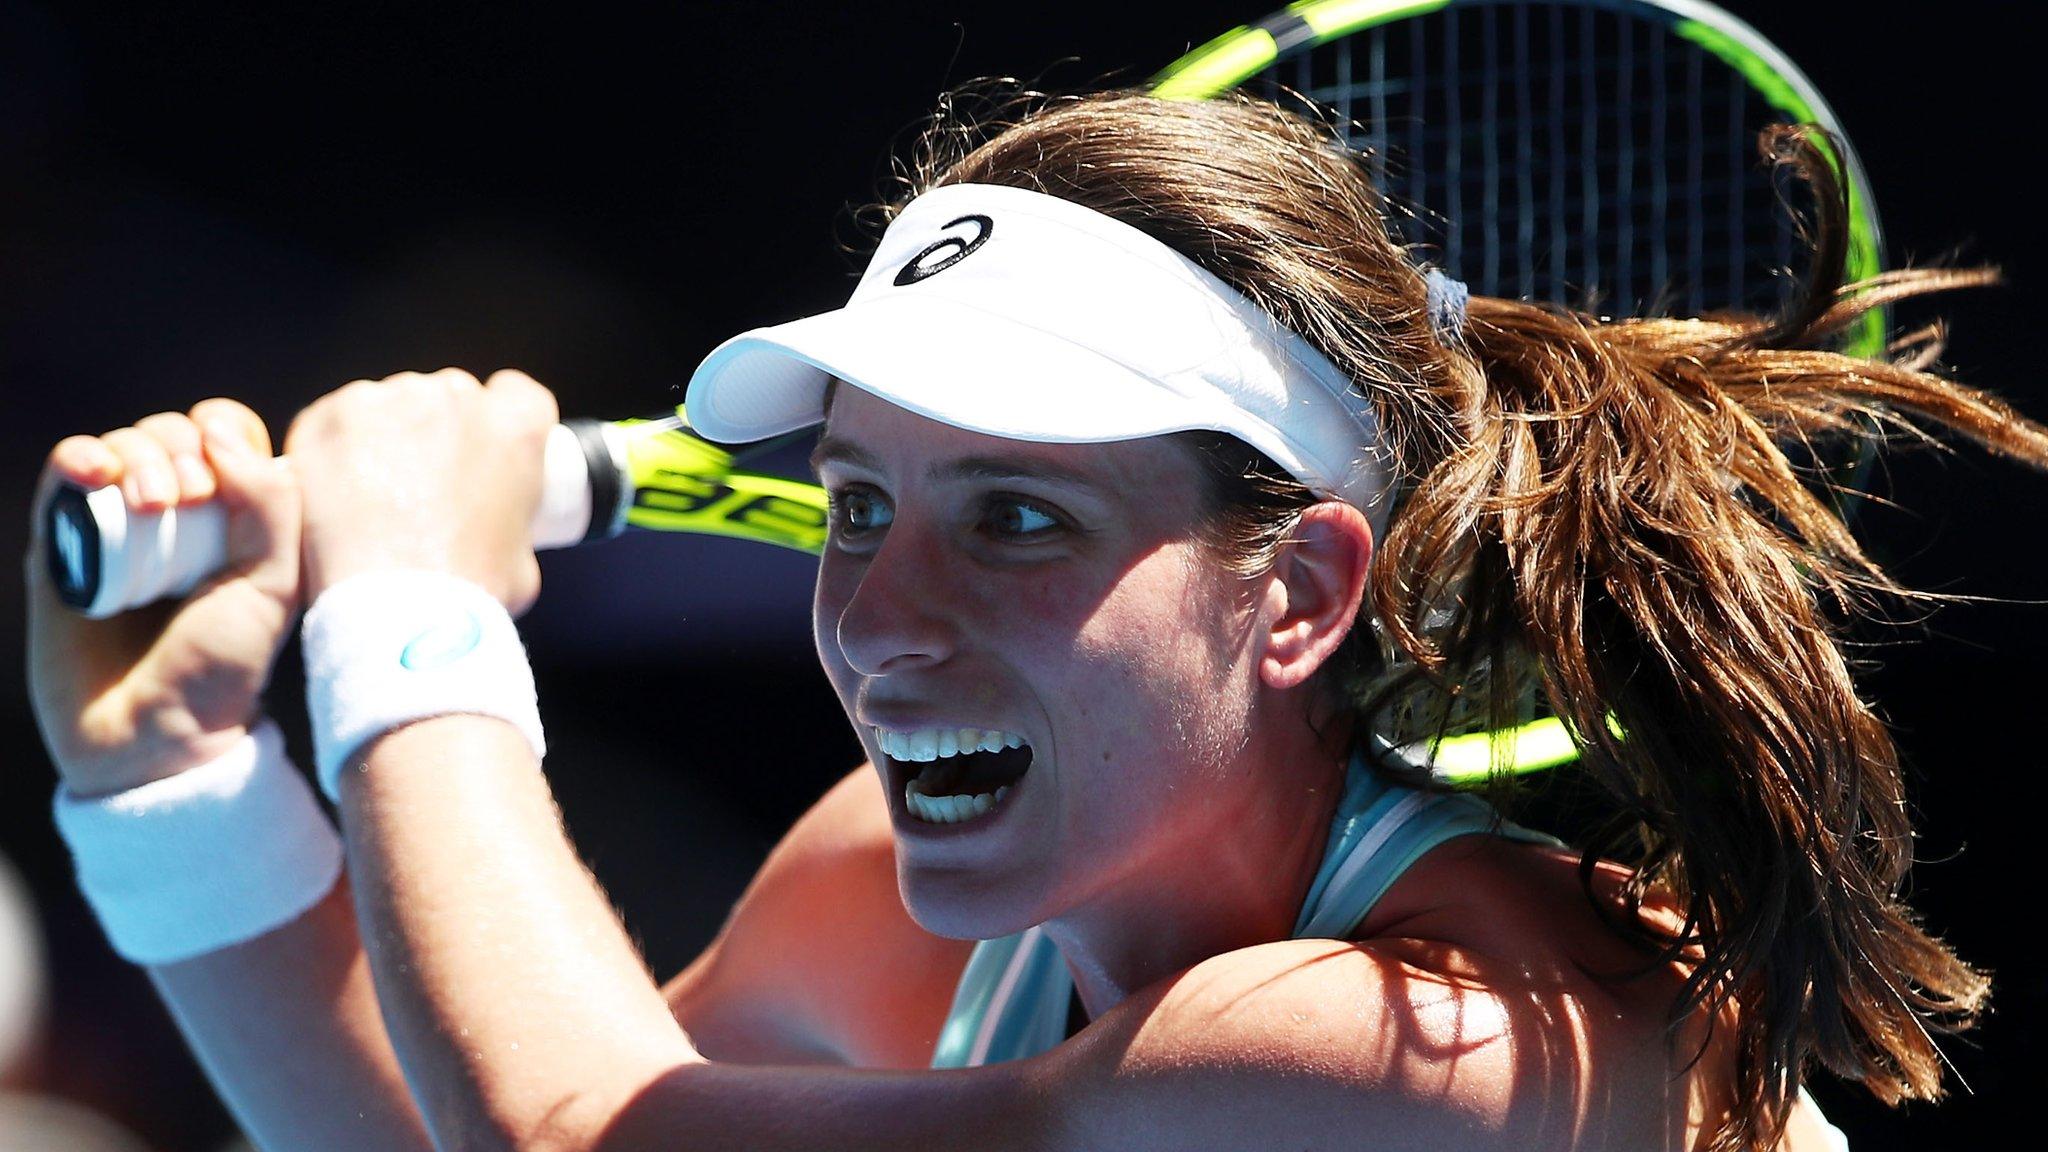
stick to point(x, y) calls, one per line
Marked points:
point(833, 449)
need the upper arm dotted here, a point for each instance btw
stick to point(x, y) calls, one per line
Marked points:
point(1302, 1044)
point(1391, 1042)
point(1315, 1043)
point(819, 961)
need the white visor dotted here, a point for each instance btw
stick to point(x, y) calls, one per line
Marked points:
point(1020, 315)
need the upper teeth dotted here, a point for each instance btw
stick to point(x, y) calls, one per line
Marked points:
point(927, 744)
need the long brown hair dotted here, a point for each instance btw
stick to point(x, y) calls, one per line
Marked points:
point(1601, 510)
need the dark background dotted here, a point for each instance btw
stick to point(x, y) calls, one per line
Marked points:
point(265, 201)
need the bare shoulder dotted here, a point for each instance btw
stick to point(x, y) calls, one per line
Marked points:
point(819, 962)
point(1487, 1006)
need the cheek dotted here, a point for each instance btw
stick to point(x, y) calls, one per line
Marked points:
point(1042, 605)
point(1167, 605)
point(1164, 636)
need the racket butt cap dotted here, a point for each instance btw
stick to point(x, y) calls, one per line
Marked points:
point(71, 549)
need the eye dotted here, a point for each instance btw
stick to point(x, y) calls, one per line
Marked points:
point(855, 511)
point(1015, 518)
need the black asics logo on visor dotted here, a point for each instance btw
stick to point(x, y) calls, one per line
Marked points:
point(955, 248)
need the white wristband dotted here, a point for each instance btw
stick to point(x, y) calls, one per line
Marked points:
point(384, 649)
point(213, 856)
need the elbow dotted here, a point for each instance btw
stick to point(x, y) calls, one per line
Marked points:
point(583, 1120)
point(548, 1108)
point(570, 1123)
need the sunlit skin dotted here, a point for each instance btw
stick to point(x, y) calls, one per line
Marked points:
point(1179, 798)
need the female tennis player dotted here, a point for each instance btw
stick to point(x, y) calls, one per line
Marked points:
point(1169, 496)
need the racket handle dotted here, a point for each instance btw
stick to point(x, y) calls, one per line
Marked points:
point(104, 559)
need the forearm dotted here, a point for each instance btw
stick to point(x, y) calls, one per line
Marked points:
point(226, 881)
point(520, 1009)
point(288, 1029)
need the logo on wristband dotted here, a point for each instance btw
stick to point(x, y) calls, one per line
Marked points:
point(443, 644)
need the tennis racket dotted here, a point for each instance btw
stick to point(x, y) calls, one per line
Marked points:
point(1600, 154)
point(598, 478)
point(1597, 153)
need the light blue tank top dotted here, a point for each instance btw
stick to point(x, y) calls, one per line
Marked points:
point(1013, 997)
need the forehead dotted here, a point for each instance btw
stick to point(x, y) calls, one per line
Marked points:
point(866, 432)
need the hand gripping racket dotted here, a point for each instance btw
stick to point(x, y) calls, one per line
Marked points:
point(597, 479)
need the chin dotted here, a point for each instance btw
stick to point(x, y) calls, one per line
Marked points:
point(961, 905)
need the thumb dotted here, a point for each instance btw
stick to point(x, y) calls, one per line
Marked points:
point(261, 494)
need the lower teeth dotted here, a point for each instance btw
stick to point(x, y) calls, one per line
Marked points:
point(950, 809)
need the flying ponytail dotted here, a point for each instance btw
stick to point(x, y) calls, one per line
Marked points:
point(1623, 507)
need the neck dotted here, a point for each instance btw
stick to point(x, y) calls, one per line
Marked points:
point(1206, 902)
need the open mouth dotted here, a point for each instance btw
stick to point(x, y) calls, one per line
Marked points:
point(952, 775)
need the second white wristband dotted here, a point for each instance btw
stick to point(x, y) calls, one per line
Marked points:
point(384, 649)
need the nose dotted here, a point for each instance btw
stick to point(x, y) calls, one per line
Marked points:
point(897, 617)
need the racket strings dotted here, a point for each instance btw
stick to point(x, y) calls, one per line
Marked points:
point(1556, 153)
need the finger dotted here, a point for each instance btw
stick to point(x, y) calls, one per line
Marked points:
point(528, 398)
point(84, 462)
point(238, 415)
point(525, 587)
point(456, 378)
point(448, 379)
point(80, 461)
point(148, 482)
point(262, 496)
point(509, 377)
point(180, 437)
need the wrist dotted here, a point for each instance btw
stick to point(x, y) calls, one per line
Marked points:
point(155, 743)
point(416, 553)
point(205, 859)
point(386, 649)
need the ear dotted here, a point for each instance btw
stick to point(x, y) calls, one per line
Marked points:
point(1313, 592)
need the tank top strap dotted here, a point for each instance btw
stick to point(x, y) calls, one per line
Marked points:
point(1380, 829)
point(1011, 1002)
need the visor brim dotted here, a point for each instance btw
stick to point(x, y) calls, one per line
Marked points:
point(941, 359)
